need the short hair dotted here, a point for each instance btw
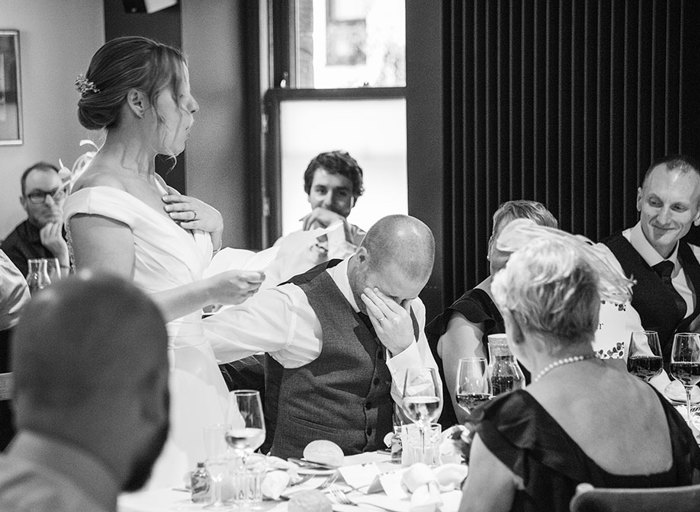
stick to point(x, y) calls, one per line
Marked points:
point(684, 163)
point(127, 63)
point(39, 166)
point(336, 162)
point(79, 338)
point(523, 209)
point(549, 288)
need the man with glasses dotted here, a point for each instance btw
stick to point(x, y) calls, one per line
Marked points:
point(41, 235)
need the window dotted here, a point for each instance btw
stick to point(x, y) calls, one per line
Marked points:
point(348, 43)
point(337, 77)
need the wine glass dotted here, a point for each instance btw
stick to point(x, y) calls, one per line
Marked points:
point(247, 431)
point(421, 398)
point(645, 360)
point(685, 363)
point(473, 383)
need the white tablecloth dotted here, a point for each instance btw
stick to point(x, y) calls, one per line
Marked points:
point(170, 500)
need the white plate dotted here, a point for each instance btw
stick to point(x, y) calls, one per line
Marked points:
point(312, 471)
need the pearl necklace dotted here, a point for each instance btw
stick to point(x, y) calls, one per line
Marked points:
point(561, 362)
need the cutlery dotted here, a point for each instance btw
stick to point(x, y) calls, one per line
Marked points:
point(309, 464)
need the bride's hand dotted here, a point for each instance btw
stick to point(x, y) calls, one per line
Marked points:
point(191, 213)
point(234, 286)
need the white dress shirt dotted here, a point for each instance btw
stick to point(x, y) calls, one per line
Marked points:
point(281, 322)
point(635, 236)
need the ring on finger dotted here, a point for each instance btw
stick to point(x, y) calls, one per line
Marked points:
point(194, 214)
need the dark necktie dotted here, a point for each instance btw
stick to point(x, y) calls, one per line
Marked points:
point(365, 320)
point(664, 270)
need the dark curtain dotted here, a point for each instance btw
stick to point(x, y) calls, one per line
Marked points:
point(562, 101)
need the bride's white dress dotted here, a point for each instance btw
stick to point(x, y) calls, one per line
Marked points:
point(166, 257)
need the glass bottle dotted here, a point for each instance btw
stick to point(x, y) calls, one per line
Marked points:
point(504, 370)
point(200, 484)
point(38, 275)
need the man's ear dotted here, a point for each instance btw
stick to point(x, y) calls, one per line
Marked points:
point(696, 220)
point(640, 197)
point(362, 255)
point(137, 101)
point(23, 202)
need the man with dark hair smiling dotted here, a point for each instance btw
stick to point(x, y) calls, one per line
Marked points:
point(91, 397)
point(41, 234)
point(333, 181)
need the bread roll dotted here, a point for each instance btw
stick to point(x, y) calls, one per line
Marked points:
point(309, 501)
point(274, 482)
point(324, 452)
point(417, 475)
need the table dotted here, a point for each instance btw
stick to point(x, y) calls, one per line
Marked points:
point(170, 500)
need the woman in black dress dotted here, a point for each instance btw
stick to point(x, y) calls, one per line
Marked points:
point(462, 329)
point(581, 419)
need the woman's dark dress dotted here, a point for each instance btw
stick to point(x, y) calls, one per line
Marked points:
point(522, 435)
point(478, 308)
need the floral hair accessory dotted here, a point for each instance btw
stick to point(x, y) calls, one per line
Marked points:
point(84, 85)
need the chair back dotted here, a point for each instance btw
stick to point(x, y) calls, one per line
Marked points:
point(7, 429)
point(660, 499)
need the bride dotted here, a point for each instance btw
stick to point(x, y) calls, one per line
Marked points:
point(123, 218)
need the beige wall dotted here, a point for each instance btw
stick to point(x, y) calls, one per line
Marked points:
point(216, 168)
point(57, 39)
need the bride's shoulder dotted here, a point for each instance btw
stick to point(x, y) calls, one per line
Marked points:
point(97, 177)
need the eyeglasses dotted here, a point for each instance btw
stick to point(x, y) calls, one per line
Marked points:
point(39, 196)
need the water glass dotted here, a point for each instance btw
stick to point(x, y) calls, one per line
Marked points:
point(412, 450)
point(53, 268)
point(245, 481)
point(37, 275)
point(217, 471)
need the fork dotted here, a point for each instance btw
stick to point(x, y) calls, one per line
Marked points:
point(339, 496)
point(328, 482)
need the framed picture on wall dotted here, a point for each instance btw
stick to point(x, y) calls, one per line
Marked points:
point(10, 89)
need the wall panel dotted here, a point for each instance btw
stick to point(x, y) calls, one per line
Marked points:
point(561, 101)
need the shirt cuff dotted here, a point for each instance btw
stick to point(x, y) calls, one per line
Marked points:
point(409, 358)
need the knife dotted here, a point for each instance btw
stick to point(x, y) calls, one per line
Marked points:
point(309, 464)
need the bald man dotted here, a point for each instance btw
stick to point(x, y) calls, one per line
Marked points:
point(339, 339)
point(91, 397)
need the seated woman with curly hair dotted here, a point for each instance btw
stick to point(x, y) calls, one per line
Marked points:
point(581, 419)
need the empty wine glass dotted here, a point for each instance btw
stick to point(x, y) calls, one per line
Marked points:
point(645, 360)
point(422, 398)
point(247, 431)
point(473, 383)
point(685, 363)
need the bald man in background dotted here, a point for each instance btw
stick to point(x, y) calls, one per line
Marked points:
point(90, 396)
point(339, 339)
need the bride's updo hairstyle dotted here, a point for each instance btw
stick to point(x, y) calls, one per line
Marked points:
point(122, 64)
point(553, 283)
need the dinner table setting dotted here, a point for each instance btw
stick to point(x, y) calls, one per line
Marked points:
point(422, 468)
point(368, 481)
